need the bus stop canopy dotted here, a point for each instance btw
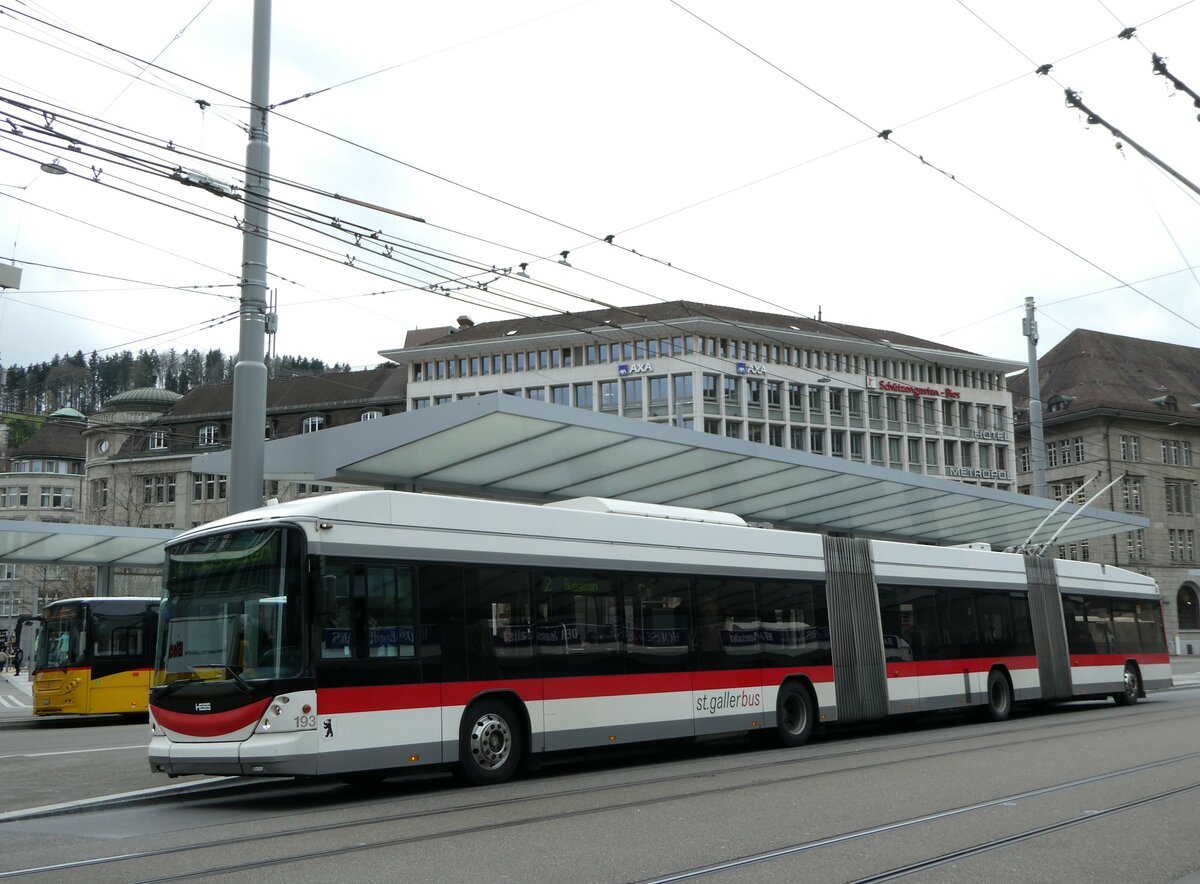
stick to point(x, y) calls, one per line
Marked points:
point(54, 543)
point(505, 447)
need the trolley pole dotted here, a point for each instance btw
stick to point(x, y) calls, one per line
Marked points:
point(250, 373)
point(1037, 445)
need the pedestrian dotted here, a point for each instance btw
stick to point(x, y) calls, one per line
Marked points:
point(17, 661)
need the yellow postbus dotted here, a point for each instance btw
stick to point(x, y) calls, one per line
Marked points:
point(93, 656)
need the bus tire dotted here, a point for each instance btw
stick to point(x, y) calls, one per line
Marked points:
point(999, 696)
point(491, 742)
point(1133, 687)
point(795, 714)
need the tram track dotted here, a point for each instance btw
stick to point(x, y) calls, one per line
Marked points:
point(509, 802)
point(955, 855)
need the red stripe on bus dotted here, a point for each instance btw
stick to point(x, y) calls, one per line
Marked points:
point(210, 724)
point(334, 701)
point(957, 667)
point(1117, 659)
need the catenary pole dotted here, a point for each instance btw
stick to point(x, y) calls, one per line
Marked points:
point(250, 373)
point(1037, 446)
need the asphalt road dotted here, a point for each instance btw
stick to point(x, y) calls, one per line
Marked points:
point(1087, 792)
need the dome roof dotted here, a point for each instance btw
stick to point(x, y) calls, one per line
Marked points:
point(143, 397)
point(69, 413)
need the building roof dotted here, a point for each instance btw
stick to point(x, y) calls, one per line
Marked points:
point(61, 439)
point(668, 318)
point(522, 449)
point(151, 398)
point(341, 388)
point(1093, 371)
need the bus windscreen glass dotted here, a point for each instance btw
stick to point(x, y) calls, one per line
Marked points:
point(230, 609)
point(62, 638)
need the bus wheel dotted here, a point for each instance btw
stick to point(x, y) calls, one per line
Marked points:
point(794, 715)
point(490, 742)
point(1133, 687)
point(999, 697)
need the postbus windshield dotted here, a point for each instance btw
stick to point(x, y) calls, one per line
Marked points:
point(231, 608)
point(63, 637)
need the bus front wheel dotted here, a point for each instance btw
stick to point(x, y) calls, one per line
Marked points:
point(491, 742)
point(1132, 688)
point(794, 715)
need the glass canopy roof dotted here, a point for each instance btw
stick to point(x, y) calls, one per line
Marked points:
point(505, 447)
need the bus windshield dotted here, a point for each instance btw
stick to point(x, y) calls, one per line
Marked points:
point(62, 641)
point(231, 608)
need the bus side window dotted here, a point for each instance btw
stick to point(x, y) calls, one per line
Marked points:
point(336, 621)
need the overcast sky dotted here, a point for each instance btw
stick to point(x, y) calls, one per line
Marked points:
point(731, 150)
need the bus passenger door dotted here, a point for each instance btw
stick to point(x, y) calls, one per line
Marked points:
point(373, 712)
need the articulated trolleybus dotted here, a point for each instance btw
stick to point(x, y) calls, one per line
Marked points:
point(365, 632)
point(94, 656)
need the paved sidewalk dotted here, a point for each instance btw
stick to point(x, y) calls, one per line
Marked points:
point(17, 683)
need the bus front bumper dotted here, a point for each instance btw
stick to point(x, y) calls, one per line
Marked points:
point(264, 755)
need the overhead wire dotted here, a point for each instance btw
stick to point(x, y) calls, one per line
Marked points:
point(568, 226)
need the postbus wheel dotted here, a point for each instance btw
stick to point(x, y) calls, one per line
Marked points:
point(491, 742)
point(999, 696)
point(794, 715)
point(1133, 687)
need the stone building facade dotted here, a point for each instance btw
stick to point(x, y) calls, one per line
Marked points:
point(1126, 409)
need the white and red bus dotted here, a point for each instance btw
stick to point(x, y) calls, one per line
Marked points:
point(378, 630)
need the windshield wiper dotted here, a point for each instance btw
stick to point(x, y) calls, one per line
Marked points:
point(176, 685)
point(243, 685)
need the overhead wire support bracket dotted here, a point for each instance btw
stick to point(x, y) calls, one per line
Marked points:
point(1094, 119)
point(1159, 66)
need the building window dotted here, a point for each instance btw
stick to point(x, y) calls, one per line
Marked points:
point(1131, 492)
point(797, 438)
point(731, 391)
point(370, 416)
point(632, 389)
point(158, 440)
point(1189, 609)
point(158, 489)
point(1177, 454)
point(1135, 544)
point(710, 387)
point(100, 493)
point(538, 393)
point(209, 486)
point(1131, 448)
point(312, 424)
point(1023, 460)
point(57, 497)
point(1182, 544)
point(560, 394)
point(931, 453)
point(816, 441)
point(658, 390)
point(608, 395)
point(1051, 455)
point(1076, 552)
point(14, 496)
point(208, 435)
point(583, 396)
point(1179, 497)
